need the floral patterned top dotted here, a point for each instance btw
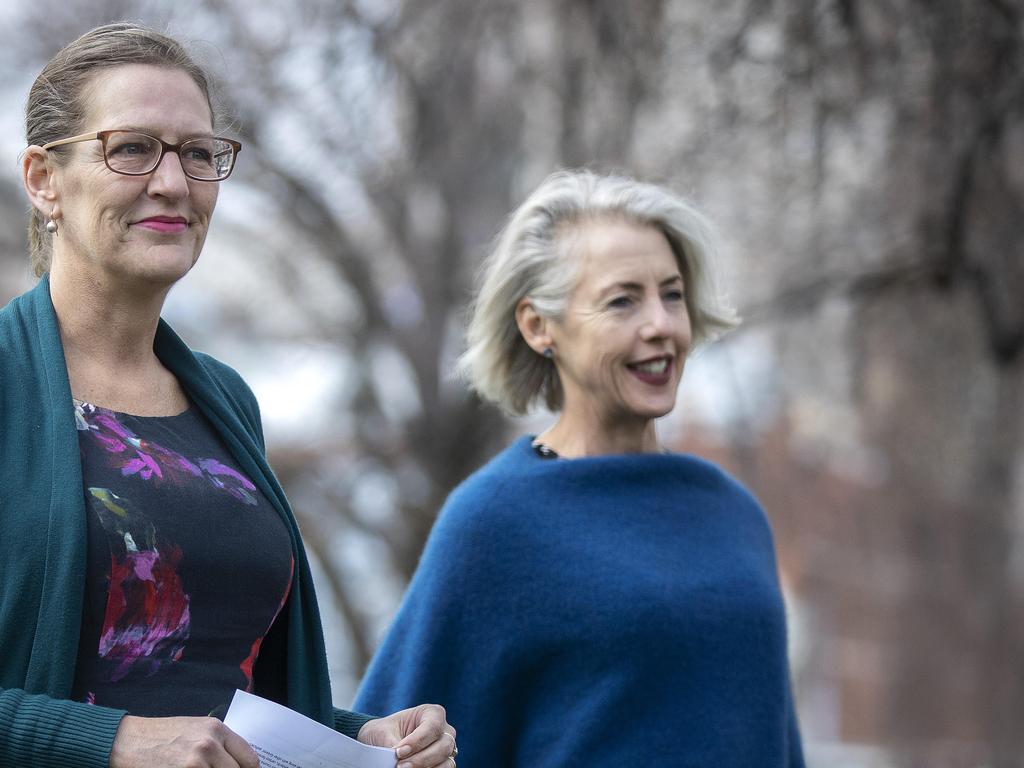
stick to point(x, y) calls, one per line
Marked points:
point(188, 565)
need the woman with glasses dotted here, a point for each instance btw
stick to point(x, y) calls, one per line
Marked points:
point(589, 598)
point(149, 562)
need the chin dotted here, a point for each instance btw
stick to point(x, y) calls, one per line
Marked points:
point(154, 275)
point(654, 413)
point(653, 407)
point(649, 411)
point(174, 264)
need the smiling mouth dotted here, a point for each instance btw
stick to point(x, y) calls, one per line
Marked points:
point(657, 372)
point(164, 225)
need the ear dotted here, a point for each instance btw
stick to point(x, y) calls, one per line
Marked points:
point(534, 327)
point(37, 175)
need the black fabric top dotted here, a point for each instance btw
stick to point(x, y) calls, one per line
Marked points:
point(188, 566)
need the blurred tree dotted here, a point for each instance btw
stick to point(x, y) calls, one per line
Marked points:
point(865, 159)
point(932, 97)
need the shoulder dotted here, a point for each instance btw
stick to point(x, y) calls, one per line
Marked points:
point(503, 482)
point(200, 373)
point(233, 390)
point(693, 480)
point(12, 331)
point(215, 385)
point(492, 507)
point(26, 301)
point(19, 323)
point(31, 355)
point(701, 473)
point(724, 501)
point(225, 376)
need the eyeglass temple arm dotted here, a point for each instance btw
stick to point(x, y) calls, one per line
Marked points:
point(71, 140)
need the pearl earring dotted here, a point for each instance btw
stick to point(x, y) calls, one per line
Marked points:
point(51, 227)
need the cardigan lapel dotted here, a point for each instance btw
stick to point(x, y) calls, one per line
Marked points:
point(55, 644)
point(237, 422)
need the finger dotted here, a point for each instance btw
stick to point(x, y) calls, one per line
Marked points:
point(436, 754)
point(420, 761)
point(433, 750)
point(423, 735)
point(450, 730)
point(206, 750)
point(240, 750)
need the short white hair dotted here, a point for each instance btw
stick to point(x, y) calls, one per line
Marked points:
point(527, 262)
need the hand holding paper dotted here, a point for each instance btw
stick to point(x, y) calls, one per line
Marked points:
point(422, 736)
point(284, 738)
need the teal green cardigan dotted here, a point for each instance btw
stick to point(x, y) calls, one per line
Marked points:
point(43, 544)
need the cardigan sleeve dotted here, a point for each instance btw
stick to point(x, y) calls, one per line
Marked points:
point(44, 732)
point(349, 723)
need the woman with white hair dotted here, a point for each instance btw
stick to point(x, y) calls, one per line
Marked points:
point(588, 597)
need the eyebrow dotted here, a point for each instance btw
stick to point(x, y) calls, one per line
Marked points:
point(631, 286)
point(155, 133)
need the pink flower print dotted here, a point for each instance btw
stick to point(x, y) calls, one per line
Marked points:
point(227, 479)
point(109, 432)
point(144, 465)
point(147, 618)
point(177, 463)
point(146, 460)
point(142, 564)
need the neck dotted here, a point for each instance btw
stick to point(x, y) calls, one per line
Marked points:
point(107, 333)
point(108, 323)
point(574, 436)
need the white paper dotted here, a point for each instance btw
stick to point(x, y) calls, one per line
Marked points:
point(284, 738)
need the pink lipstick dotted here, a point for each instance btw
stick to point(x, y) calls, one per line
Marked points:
point(167, 225)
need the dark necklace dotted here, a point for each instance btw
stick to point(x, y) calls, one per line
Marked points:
point(545, 451)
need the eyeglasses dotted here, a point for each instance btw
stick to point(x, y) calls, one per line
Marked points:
point(136, 154)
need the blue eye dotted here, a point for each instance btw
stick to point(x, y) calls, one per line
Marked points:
point(200, 154)
point(675, 294)
point(620, 302)
point(130, 148)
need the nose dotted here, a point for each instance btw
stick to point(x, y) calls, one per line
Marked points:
point(168, 179)
point(657, 319)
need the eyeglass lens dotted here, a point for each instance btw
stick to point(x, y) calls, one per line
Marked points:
point(137, 153)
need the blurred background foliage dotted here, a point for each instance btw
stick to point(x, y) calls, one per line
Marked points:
point(864, 160)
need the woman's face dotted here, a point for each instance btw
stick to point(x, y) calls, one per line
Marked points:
point(128, 230)
point(622, 343)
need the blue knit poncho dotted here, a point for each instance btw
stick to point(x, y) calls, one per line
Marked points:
point(607, 611)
